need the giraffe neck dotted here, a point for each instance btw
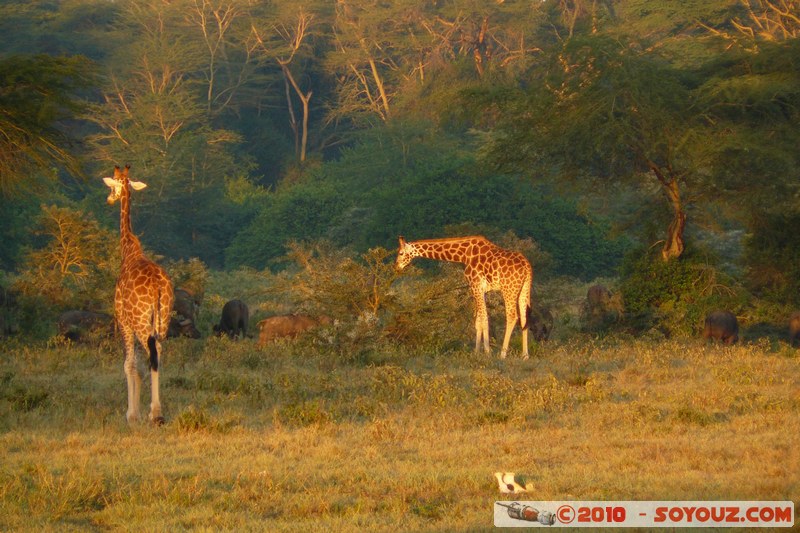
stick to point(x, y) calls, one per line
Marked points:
point(456, 250)
point(129, 244)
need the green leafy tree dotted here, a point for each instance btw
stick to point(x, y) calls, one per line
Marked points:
point(291, 39)
point(63, 28)
point(605, 111)
point(38, 96)
point(153, 117)
point(75, 266)
point(405, 180)
point(220, 32)
point(754, 95)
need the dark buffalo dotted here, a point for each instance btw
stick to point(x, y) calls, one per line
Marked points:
point(794, 328)
point(182, 328)
point(186, 305)
point(540, 323)
point(287, 326)
point(598, 297)
point(235, 316)
point(721, 326)
point(601, 308)
point(83, 326)
point(185, 308)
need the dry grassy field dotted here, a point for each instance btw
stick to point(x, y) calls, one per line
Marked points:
point(302, 437)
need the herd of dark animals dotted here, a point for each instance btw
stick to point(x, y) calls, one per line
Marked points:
point(81, 326)
point(85, 326)
point(78, 325)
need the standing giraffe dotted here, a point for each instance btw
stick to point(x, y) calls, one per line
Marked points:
point(488, 268)
point(142, 299)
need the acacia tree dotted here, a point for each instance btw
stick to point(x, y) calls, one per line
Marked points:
point(222, 31)
point(755, 96)
point(152, 117)
point(492, 34)
point(288, 42)
point(77, 265)
point(761, 21)
point(364, 58)
point(38, 95)
point(608, 111)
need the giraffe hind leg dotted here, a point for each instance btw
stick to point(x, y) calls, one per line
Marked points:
point(151, 347)
point(482, 335)
point(133, 378)
point(511, 321)
point(525, 327)
point(154, 348)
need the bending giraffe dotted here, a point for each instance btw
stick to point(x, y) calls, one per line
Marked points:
point(142, 300)
point(488, 268)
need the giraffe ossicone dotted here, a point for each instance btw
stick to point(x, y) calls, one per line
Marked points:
point(143, 299)
point(487, 268)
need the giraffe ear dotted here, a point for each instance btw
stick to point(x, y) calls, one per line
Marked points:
point(111, 182)
point(138, 185)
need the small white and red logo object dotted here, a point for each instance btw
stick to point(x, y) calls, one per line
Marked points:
point(517, 511)
point(644, 514)
point(510, 483)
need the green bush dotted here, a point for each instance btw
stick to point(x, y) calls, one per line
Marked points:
point(771, 252)
point(371, 304)
point(190, 275)
point(75, 267)
point(676, 295)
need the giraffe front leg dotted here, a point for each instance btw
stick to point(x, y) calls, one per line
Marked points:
point(133, 378)
point(482, 335)
point(481, 323)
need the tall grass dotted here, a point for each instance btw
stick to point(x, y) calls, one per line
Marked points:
point(301, 436)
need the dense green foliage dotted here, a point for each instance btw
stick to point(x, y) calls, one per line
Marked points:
point(376, 192)
point(772, 258)
point(38, 98)
point(676, 296)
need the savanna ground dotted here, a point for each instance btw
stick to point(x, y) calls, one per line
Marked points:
point(300, 436)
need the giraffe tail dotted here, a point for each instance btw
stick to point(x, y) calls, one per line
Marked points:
point(524, 303)
point(152, 347)
point(525, 318)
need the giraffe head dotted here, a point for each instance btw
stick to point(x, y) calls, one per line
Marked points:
point(404, 254)
point(118, 182)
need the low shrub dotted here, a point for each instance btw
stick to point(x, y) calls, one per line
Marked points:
point(676, 295)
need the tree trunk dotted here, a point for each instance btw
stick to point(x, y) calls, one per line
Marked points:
point(673, 246)
point(300, 149)
point(381, 90)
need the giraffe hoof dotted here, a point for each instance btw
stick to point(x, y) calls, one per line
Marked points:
point(159, 421)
